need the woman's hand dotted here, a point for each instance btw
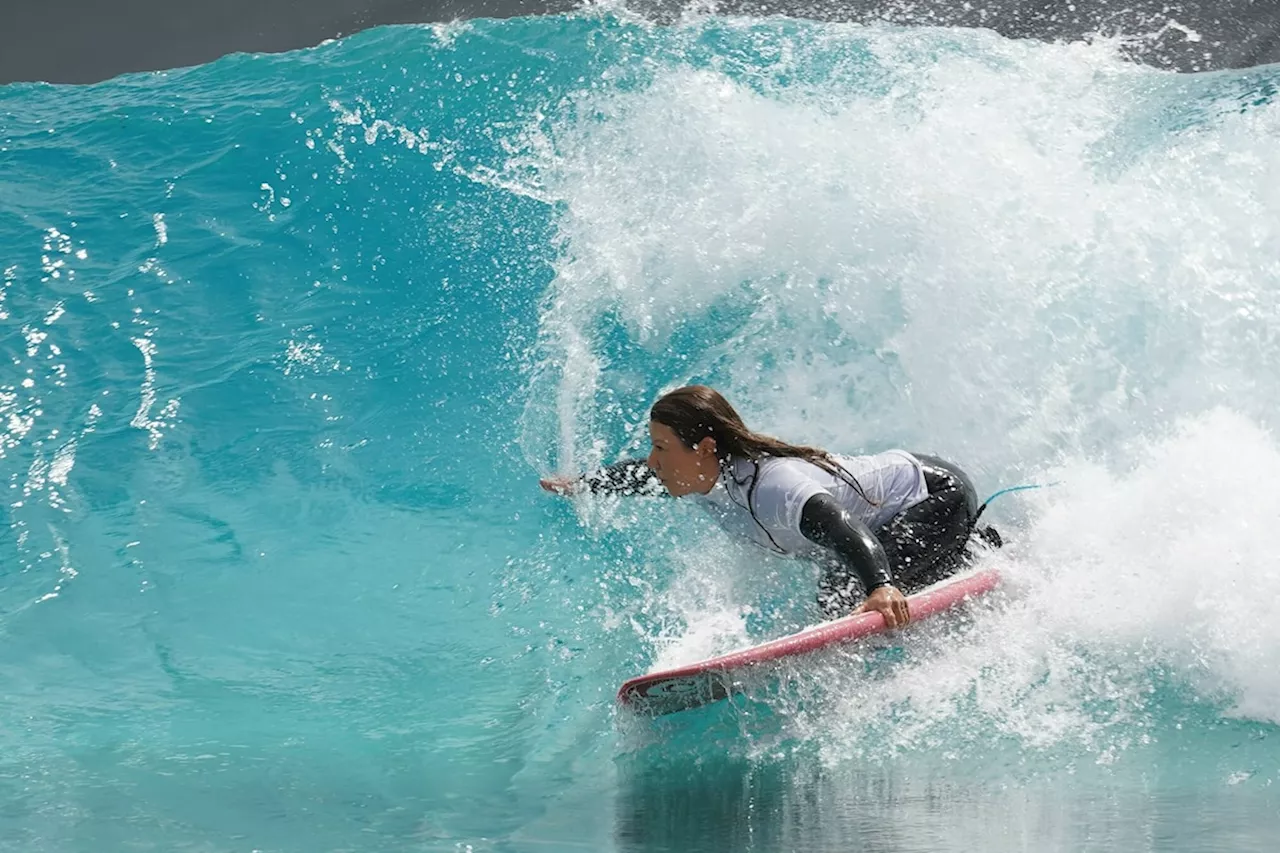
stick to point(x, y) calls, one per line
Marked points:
point(560, 485)
point(890, 603)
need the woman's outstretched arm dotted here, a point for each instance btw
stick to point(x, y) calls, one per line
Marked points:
point(628, 477)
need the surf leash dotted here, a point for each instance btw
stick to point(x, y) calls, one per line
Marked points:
point(1014, 489)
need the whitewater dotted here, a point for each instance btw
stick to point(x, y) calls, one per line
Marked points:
point(290, 339)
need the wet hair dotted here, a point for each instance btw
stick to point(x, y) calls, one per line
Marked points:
point(695, 412)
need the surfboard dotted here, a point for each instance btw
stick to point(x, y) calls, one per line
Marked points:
point(716, 678)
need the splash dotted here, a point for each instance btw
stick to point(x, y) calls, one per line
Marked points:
point(1031, 272)
point(909, 248)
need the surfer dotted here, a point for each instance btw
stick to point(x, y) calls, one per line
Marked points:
point(881, 526)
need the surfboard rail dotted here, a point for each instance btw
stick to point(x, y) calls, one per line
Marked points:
point(713, 679)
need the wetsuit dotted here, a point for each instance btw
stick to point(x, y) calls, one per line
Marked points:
point(906, 522)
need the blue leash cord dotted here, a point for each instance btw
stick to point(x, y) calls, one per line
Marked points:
point(1012, 489)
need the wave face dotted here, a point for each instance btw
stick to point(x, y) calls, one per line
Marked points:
point(291, 339)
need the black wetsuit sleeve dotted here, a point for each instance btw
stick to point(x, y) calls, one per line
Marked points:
point(628, 477)
point(825, 523)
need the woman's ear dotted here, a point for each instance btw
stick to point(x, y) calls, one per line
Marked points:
point(707, 445)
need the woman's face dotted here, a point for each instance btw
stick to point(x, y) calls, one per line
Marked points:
point(683, 470)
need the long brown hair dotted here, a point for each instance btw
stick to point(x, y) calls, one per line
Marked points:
point(695, 412)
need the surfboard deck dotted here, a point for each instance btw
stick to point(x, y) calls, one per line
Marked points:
point(716, 678)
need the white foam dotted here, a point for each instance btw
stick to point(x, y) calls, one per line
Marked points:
point(1004, 242)
point(1177, 557)
point(144, 419)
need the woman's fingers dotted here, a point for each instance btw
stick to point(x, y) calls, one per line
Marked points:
point(558, 485)
point(890, 603)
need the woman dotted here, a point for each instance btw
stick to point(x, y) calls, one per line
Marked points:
point(883, 525)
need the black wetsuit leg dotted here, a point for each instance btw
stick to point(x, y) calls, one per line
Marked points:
point(928, 541)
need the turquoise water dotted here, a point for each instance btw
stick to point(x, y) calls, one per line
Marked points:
point(290, 339)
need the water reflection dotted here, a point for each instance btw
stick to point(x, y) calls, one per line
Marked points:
point(683, 802)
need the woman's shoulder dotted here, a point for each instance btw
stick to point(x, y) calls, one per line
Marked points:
point(785, 470)
point(764, 472)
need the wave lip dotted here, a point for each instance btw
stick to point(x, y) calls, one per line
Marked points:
point(152, 35)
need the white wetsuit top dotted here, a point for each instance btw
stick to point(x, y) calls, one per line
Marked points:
point(893, 480)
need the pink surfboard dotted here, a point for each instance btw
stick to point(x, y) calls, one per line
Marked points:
point(715, 678)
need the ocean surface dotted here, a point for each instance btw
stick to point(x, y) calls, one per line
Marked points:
point(289, 340)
